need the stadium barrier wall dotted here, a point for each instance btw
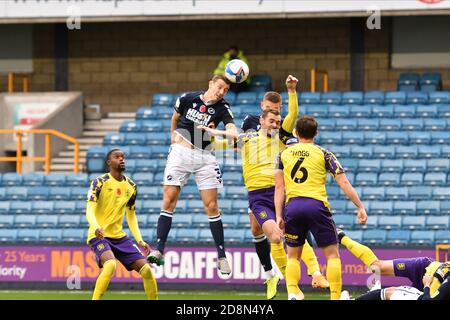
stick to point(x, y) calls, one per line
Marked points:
point(183, 265)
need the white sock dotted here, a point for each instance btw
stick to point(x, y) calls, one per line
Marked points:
point(316, 273)
point(270, 274)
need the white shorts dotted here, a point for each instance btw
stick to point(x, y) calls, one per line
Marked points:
point(404, 293)
point(182, 162)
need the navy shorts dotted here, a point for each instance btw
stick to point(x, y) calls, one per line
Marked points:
point(123, 249)
point(306, 214)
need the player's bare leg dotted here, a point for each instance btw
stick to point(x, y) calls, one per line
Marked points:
point(334, 270)
point(293, 273)
point(150, 286)
point(108, 261)
point(209, 197)
point(168, 206)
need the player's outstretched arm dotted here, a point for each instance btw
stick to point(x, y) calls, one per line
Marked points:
point(134, 228)
point(279, 197)
point(289, 122)
point(220, 133)
point(350, 192)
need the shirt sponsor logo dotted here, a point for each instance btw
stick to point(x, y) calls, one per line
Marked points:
point(401, 266)
point(198, 117)
point(290, 236)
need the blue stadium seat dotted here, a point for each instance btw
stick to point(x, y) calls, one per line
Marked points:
point(368, 124)
point(143, 179)
point(440, 137)
point(309, 98)
point(382, 111)
point(195, 206)
point(419, 137)
point(406, 152)
point(46, 221)
point(135, 139)
point(233, 192)
point(422, 238)
point(77, 180)
point(151, 126)
point(360, 111)
point(411, 179)
point(409, 78)
point(11, 179)
point(16, 193)
point(374, 237)
point(69, 221)
point(339, 111)
point(366, 179)
point(73, 236)
point(333, 97)
point(398, 237)
point(243, 221)
point(361, 152)
point(5, 207)
point(397, 137)
point(374, 97)
point(182, 221)
point(372, 223)
point(50, 236)
point(149, 193)
point(431, 78)
point(445, 207)
point(438, 223)
point(384, 152)
point(351, 137)
point(356, 235)
point(6, 221)
point(33, 179)
point(371, 165)
point(55, 180)
point(25, 221)
point(389, 125)
point(344, 221)
point(349, 164)
point(189, 192)
point(184, 235)
point(428, 111)
point(428, 207)
point(230, 220)
point(261, 82)
point(140, 152)
point(78, 193)
point(338, 207)
point(152, 220)
point(420, 192)
point(429, 151)
point(404, 208)
point(418, 97)
point(95, 165)
point(38, 193)
point(317, 111)
point(435, 179)
point(114, 139)
point(162, 99)
point(352, 97)
point(389, 179)
point(240, 206)
point(439, 97)
point(389, 222)
point(407, 111)
point(2, 194)
point(230, 97)
point(67, 207)
point(144, 165)
point(333, 192)
point(373, 193)
point(232, 178)
point(42, 207)
point(412, 124)
point(164, 112)
point(397, 193)
point(8, 236)
point(146, 112)
point(28, 235)
point(157, 138)
point(234, 235)
point(434, 124)
point(346, 124)
point(441, 193)
point(445, 151)
point(412, 165)
point(130, 126)
point(330, 137)
point(392, 165)
point(374, 137)
point(442, 237)
point(395, 97)
point(200, 221)
point(20, 207)
point(413, 222)
point(246, 98)
point(205, 236)
point(159, 152)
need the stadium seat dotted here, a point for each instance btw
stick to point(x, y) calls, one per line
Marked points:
point(357, 111)
point(135, 139)
point(412, 124)
point(232, 178)
point(442, 237)
point(389, 125)
point(246, 98)
point(66, 207)
point(340, 151)
point(440, 137)
point(42, 207)
point(25, 221)
point(69, 221)
point(332, 192)
point(205, 236)
point(384, 152)
point(374, 237)
point(2, 194)
point(230, 220)
point(339, 111)
point(422, 238)
point(333, 97)
point(50, 236)
point(114, 139)
point(73, 236)
point(398, 237)
point(417, 97)
point(8, 236)
point(420, 192)
point(431, 79)
point(439, 97)
point(230, 97)
point(262, 82)
point(389, 179)
point(159, 152)
point(392, 165)
point(38, 193)
point(437, 223)
point(428, 207)
point(411, 179)
point(162, 99)
point(429, 151)
point(396, 137)
point(346, 124)
point(404, 208)
point(16, 193)
point(130, 126)
point(185, 235)
point(240, 206)
point(309, 98)
point(344, 221)
point(28, 235)
point(361, 152)
point(401, 111)
point(356, 235)
point(33, 179)
point(372, 223)
point(146, 112)
point(352, 97)
point(371, 165)
point(349, 164)
point(428, 111)
point(11, 179)
point(77, 180)
point(338, 207)
point(396, 193)
point(234, 235)
point(382, 111)
point(20, 207)
point(182, 221)
point(374, 97)
point(441, 193)
point(233, 192)
point(317, 111)
point(419, 137)
point(435, 179)
point(157, 138)
point(412, 165)
point(164, 112)
point(389, 222)
point(395, 97)
point(151, 126)
point(413, 222)
point(366, 179)
point(434, 124)
point(95, 165)
point(5, 207)
point(143, 179)
point(326, 124)
point(46, 221)
point(445, 151)
point(351, 137)
point(374, 137)
point(55, 179)
point(150, 207)
point(408, 78)
point(330, 137)
point(368, 124)
point(6, 221)
point(78, 193)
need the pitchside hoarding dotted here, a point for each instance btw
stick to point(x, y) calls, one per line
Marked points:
point(194, 265)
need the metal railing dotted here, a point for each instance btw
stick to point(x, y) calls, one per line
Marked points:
point(314, 73)
point(19, 158)
point(442, 252)
point(25, 81)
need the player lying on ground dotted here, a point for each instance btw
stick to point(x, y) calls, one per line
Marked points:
point(412, 268)
point(190, 153)
point(301, 204)
point(110, 196)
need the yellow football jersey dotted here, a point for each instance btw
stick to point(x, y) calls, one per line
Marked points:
point(259, 155)
point(305, 167)
point(112, 198)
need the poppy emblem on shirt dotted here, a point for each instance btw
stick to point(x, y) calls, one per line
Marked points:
point(202, 108)
point(118, 192)
point(400, 266)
